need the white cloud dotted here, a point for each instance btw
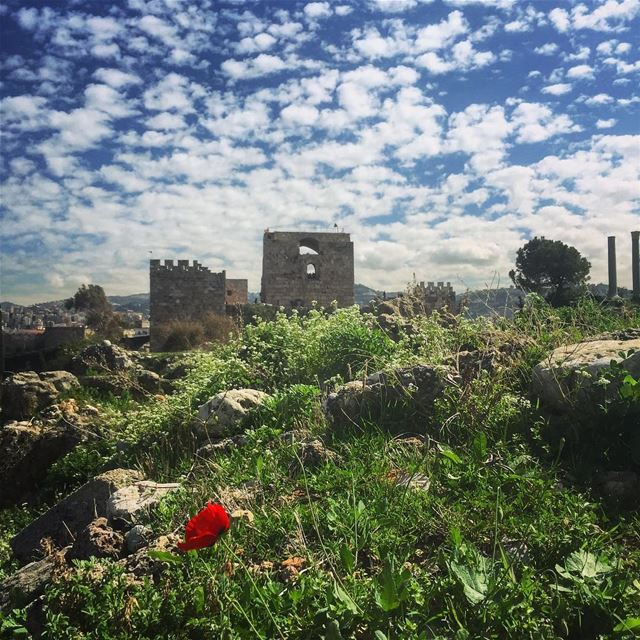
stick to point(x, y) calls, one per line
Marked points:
point(600, 98)
point(299, 114)
point(111, 50)
point(158, 28)
point(263, 64)
point(535, 122)
point(356, 100)
point(343, 10)
point(392, 6)
point(606, 124)
point(547, 49)
point(560, 19)
point(610, 15)
point(437, 36)
point(116, 78)
point(105, 98)
point(81, 129)
point(260, 42)
point(165, 121)
point(171, 93)
point(580, 72)
point(558, 89)
point(316, 10)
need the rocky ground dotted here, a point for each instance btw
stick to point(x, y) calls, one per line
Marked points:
point(461, 422)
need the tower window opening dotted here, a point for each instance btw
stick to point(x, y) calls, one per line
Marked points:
point(311, 271)
point(308, 246)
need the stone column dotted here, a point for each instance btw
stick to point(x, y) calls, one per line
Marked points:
point(613, 277)
point(635, 262)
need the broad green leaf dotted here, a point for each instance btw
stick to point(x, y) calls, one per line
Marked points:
point(474, 581)
point(628, 625)
point(391, 586)
point(449, 454)
point(379, 635)
point(332, 631)
point(586, 564)
point(345, 598)
point(164, 556)
point(348, 561)
point(456, 536)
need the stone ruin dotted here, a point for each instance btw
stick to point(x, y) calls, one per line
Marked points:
point(299, 268)
point(186, 291)
point(436, 296)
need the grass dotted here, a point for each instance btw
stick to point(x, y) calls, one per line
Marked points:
point(504, 543)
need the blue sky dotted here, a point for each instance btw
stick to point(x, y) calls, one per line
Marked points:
point(442, 134)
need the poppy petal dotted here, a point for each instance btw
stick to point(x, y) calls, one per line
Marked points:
point(205, 527)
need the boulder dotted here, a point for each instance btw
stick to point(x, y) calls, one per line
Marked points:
point(414, 387)
point(620, 489)
point(312, 454)
point(101, 357)
point(149, 380)
point(28, 449)
point(24, 394)
point(224, 413)
point(104, 383)
point(566, 377)
point(139, 564)
point(97, 540)
point(64, 521)
point(137, 537)
point(126, 505)
point(61, 380)
point(26, 584)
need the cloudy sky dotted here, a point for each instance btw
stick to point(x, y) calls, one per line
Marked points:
point(442, 134)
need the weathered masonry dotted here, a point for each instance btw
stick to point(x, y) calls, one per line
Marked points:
point(301, 267)
point(183, 291)
point(237, 291)
point(438, 296)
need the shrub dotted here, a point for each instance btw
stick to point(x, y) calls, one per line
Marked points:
point(181, 335)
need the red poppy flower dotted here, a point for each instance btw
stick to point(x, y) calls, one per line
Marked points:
point(205, 527)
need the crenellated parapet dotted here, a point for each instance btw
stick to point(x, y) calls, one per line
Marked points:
point(183, 290)
point(181, 266)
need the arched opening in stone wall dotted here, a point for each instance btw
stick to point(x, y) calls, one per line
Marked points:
point(311, 271)
point(308, 246)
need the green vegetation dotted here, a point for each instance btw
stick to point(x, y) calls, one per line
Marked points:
point(550, 267)
point(506, 538)
point(100, 317)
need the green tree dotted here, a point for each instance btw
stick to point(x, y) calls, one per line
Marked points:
point(99, 313)
point(89, 298)
point(551, 268)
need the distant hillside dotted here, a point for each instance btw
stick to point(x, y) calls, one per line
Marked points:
point(138, 302)
point(481, 302)
point(503, 301)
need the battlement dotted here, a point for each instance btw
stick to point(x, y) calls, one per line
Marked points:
point(182, 266)
point(183, 290)
point(439, 288)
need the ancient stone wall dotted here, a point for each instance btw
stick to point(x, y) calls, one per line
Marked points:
point(182, 292)
point(237, 291)
point(437, 296)
point(300, 267)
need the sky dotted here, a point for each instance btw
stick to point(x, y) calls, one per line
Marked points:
point(442, 134)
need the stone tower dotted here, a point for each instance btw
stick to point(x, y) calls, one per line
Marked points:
point(300, 267)
point(182, 292)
